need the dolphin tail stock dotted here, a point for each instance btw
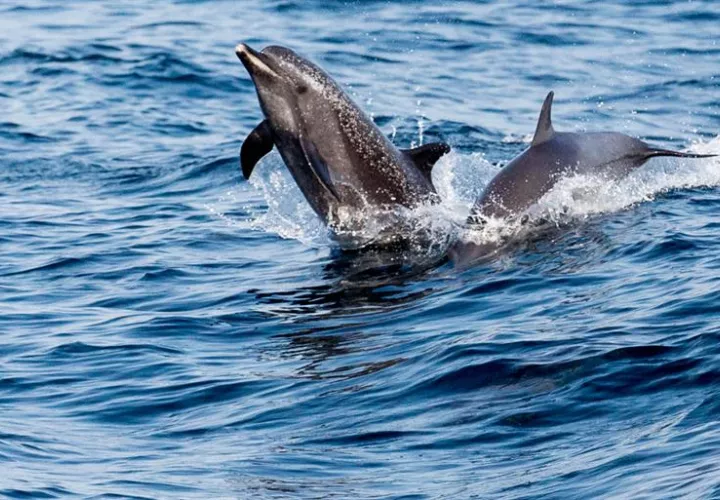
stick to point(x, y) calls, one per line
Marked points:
point(652, 153)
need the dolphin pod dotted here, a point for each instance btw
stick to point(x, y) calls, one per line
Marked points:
point(341, 160)
point(338, 157)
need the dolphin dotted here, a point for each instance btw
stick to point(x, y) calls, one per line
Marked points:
point(338, 157)
point(553, 155)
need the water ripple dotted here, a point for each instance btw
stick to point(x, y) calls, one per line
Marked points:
point(170, 330)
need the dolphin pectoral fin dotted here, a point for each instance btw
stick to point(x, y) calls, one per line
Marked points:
point(424, 157)
point(318, 166)
point(544, 130)
point(256, 145)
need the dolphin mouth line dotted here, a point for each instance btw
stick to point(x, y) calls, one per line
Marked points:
point(254, 61)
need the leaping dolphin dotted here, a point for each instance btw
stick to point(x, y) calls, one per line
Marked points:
point(554, 155)
point(339, 158)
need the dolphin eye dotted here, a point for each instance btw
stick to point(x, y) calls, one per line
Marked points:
point(301, 89)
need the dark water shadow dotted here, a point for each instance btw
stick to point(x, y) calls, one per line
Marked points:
point(360, 281)
point(343, 327)
point(344, 316)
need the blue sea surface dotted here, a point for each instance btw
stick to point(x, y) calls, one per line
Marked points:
point(169, 330)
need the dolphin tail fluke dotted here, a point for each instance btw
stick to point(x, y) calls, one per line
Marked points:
point(652, 153)
point(256, 145)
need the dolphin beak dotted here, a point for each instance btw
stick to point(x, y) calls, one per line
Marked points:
point(255, 62)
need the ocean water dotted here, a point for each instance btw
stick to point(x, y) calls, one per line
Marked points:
point(169, 330)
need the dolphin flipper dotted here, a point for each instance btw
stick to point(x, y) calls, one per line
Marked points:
point(256, 145)
point(318, 165)
point(424, 157)
point(544, 130)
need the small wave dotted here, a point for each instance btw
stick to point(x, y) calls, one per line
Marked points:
point(516, 374)
point(346, 57)
point(49, 492)
point(75, 349)
point(366, 438)
point(34, 8)
point(47, 169)
point(695, 16)
point(550, 39)
point(66, 56)
point(168, 68)
point(223, 164)
point(54, 265)
point(22, 136)
point(169, 24)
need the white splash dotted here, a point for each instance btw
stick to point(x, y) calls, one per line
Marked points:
point(459, 180)
point(518, 139)
point(581, 196)
point(288, 214)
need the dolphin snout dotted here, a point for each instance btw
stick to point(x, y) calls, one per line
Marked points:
point(255, 62)
point(245, 52)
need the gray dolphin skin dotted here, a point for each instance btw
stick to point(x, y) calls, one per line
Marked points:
point(551, 156)
point(338, 157)
point(554, 155)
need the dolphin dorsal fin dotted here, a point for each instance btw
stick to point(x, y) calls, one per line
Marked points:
point(257, 144)
point(544, 131)
point(424, 157)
